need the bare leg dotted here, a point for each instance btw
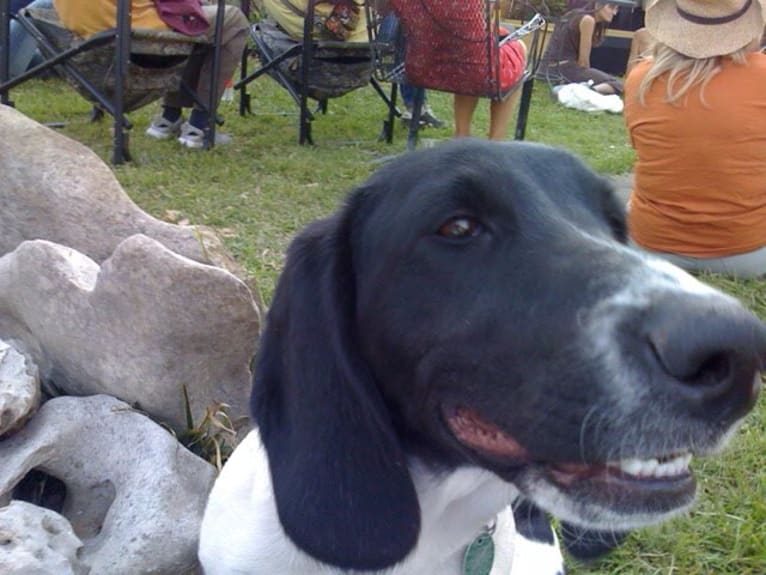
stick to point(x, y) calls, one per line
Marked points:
point(464, 107)
point(500, 113)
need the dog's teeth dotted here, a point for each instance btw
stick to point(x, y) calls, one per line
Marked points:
point(654, 468)
point(639, 467)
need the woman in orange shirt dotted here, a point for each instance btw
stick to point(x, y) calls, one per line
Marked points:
point(696, 115)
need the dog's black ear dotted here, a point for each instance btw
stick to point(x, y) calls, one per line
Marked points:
point(341, 481)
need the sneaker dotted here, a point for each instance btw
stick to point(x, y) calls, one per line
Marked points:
point(162, 129)
point(428, 120)
point(193, 137)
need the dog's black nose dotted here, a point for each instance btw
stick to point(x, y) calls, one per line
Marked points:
point(713, 350)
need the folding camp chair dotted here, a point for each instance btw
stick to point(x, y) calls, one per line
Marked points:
point(387, 44)
point(548, 71)
point(119, 70)
point(311, 67)
point(455, 47)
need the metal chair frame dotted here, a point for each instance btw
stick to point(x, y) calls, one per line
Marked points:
point(120, 37)
point(308, 48)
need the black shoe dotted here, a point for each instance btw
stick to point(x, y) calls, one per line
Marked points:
point(427, 119)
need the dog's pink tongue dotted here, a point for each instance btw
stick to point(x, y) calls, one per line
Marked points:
point(475, 432)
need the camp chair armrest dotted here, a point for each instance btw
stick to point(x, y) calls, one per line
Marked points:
point(50, 16)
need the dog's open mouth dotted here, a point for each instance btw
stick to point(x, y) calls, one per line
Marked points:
point(480, 435)
point(665, 472)
point(666, 468)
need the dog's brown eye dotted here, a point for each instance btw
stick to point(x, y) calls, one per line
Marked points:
point(459, 227)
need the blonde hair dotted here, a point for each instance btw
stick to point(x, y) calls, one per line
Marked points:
point(683, 73)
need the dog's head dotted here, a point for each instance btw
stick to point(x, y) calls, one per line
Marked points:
point(475, 304)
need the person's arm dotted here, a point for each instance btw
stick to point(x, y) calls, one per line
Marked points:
point(587, 27)
point(640, 48)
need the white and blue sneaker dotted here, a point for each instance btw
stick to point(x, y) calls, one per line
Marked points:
point(193, 137)
point(162, 128)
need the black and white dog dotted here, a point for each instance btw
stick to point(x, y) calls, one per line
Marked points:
point(470, 328)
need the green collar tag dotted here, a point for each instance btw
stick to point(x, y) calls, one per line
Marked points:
point(479, 555)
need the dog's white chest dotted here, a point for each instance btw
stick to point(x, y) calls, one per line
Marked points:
point(241, 533)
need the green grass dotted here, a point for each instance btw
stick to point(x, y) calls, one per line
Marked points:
point(264, 187)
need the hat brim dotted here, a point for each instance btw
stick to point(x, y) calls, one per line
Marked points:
point(701, 40)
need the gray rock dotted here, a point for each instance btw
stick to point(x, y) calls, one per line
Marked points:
point(134, 495)
point(55, 188)
point(37, 541)
point(19, 388)
point(140, 327)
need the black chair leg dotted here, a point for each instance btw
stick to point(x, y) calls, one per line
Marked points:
point(390, 99)
point(120, 152)
point(245, 104)
point(304, 129)
point(417, 108)
point(524, 105)
point(244, 97)
point(127, 156)
point(5, 36)
point(212, 104)
point(388, 123)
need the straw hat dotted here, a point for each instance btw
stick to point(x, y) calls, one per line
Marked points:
point(705, 28)
point(623, 3)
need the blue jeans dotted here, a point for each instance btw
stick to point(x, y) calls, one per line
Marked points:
point(22, 48)
point(389, 29)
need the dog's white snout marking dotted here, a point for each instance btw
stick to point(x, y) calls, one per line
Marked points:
point(652, 276)
point(683, 280)
point(647, 282)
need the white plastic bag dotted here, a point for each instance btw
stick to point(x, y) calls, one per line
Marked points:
point(581, 97)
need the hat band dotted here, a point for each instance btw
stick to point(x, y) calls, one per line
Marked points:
point(713, 21)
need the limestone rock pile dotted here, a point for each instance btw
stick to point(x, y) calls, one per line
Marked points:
point(109, 321)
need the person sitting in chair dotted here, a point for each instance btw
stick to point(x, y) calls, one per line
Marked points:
point(447, 51)
point(567, 57)
point(87, 17)
point(500, 109)
point(22, 48)
point(390, 32)
point(334, 20)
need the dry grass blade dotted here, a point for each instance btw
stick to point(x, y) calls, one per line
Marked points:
point(214, 437)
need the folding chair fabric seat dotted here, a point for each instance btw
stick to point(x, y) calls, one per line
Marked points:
point(291, 14)
point(453, 46)
point(157, 60)
point(336, 69)
point(310, 66)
